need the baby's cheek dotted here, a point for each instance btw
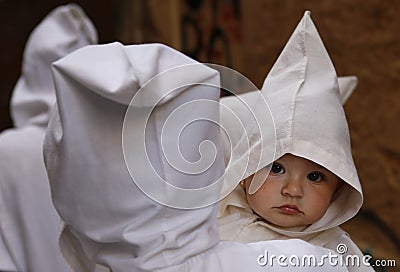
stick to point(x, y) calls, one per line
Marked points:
point(323, 204)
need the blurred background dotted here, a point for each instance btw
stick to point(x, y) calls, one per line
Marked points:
point(361, 36)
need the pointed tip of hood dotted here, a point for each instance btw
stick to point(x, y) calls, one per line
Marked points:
point(63, 30)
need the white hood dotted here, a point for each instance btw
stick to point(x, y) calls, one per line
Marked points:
point(91, 187)
point(304, 98)
point(64, 30)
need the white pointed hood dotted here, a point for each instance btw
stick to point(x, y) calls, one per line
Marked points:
point(304, 98)
point(64, 30)
point(91, 187)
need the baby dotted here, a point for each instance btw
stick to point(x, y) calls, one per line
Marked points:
point(310, 185)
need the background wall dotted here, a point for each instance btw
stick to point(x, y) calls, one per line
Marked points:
point(362, 37)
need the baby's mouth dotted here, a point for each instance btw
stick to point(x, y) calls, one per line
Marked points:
point(289, 209)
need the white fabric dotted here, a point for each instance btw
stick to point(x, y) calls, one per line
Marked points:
point(109, 222)
point(250, 131)
point(7, 263)
point(29, 223)
point(62, 31)
point(305, 99)
point(347, 84)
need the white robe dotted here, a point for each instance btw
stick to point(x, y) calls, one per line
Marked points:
point(29, 224)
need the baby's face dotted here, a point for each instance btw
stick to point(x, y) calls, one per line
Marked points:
point(297, 192)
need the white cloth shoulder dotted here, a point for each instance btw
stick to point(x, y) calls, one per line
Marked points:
point(6, 262)
point(29, 224)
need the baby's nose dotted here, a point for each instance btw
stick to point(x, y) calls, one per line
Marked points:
point(293, 187)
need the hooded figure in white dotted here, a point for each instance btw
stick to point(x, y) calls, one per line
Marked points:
point(305, 99)
point(29, 224)
point(117, 215)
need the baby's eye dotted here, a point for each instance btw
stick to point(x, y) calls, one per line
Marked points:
point(277, 168)
point(315, 176)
